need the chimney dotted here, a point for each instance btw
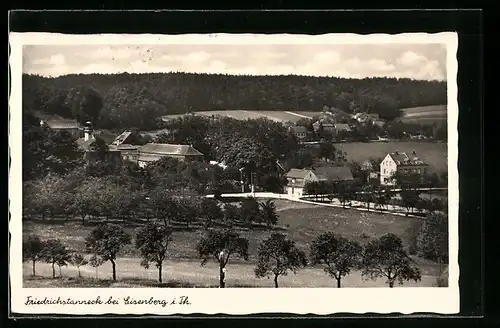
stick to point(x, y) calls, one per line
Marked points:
point(88, 132)
point(396, 152)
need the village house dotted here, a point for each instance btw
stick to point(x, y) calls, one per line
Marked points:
point(300, 132)
point(402, 163)
point(70, 126)
point(86, 144)
point(298, 178)
point(152, 152)
point(129, 152)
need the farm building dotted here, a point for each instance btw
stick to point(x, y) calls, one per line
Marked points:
point(402, 163)
point(87, 145)
point(298, 178)
point(152, 152)
point(299, 131)
point(70, 126)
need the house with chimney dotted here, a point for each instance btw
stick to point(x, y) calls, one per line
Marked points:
point(298, 178)
point(152, 152)
point(92, 153)
point(403, 164)
point(123, 143)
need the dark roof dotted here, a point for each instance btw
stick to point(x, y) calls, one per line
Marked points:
point(62, 124)
point(128, 147)
point(169, 149)
point(85, 144)
point(401, 158)
point(339, 173)
point(297, 173)
point(299, 129)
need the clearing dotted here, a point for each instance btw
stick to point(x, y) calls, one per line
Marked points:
point(425, 114)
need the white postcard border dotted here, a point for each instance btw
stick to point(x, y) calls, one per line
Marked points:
point(237, 301)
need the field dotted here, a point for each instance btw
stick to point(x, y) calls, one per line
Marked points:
point(279, 116)
point(435, 154)
point(425, 115)
point(301, 222)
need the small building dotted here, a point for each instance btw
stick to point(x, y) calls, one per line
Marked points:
point(333, 173)
point(87, 142)
point(70, 126)
point(402, 163)
point(152, 152)
point(342, 127)
point(297, 180)
point(128, 152)
point(299, 131)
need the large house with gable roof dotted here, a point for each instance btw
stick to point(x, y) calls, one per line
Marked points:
point(402, 163)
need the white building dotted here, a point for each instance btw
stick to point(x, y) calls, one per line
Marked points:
point(297, 180)
point(402, 163)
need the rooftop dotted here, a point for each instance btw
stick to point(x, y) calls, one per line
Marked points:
point(61, 124)
point(169, 149)
point(402, 158)
point(336, 173)
point(121, 138)
point(297, 173)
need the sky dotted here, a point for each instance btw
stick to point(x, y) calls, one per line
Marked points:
point(415, 61)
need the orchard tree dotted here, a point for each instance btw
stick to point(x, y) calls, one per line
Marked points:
point(339, 255)
point(410, 199)
point(210, 211)
point(432, 242)
point(55, 252)
point(386, 257)
point(277, 255)
point(106, 241)
point(231, 214)
point(269, 214)
point(344, 193)
point(79, 260)
point(152, 241)
point(220, 245)
point(250, 211)
point(32, 250)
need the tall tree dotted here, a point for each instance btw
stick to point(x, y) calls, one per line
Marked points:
point(32, 250)
point(78, 260)
point(250, 211)
point(385, 257)
point(269, 214)
point(106, 241)
point(220, 245)
point(55, 252)
point(152, 241)
point(277, 255)
point(432, 241)
point(338, 254)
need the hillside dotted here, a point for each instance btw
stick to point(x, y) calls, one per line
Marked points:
point(137, 100)
point(424, 114)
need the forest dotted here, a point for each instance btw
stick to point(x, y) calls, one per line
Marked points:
point(137, 100)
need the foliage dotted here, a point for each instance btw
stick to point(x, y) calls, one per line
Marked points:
point(277, 255)
point(269, 214)
point(55, 252)
point(432, 242)
point(250, 211)
point(231, 214)
point(338, 254)
point(106, 241)
point(32, 250)
point(210, 211)
point(85, 104)
point(79, 260)
point(410, 199)
point(385, 257)
point(152, 241)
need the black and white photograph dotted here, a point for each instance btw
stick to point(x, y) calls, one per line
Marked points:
point(277, 163)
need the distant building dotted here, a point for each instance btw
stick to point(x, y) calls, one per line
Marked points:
point(152, 152)
point(342, 127)
point(90, 154)
point(128, 152)
point(123, 138)
point(298, 178)
point(70, 126)
point(327, 126)
point(299, 131)
point(400, 162)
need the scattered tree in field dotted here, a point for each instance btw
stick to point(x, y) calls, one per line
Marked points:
point(106, 241)
point(277, 255)
point(269, 215)
point(221, 244)
point(367, 195)
point(55, 252)
point(432, 242)
point(96, 261)
point(152, 241)
point(338, 254)
point(189, 210)
point(79, 260)
point(32, 250)
point(250, 211)
point(210, 211)
point(410, 199)
point(386, 257)
point(231, 214)
point(344, 193)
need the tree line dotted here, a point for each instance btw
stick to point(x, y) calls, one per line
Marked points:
point(277, 255)
point(137, 100)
